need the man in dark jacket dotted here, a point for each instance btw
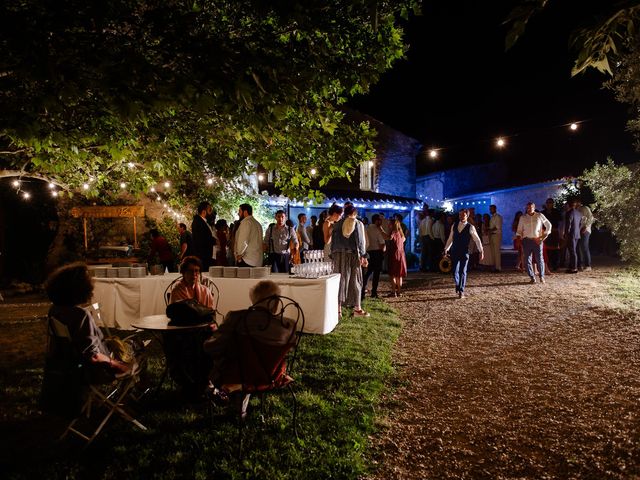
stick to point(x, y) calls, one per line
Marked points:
point(202, 236)
point(572, 233)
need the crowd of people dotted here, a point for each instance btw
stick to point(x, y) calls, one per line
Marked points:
point(546, 240)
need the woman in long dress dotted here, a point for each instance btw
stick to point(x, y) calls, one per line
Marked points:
point(487, 260)
point(397, 259)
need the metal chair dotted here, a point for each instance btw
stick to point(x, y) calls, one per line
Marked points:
point(206, 282)
point(69, 389)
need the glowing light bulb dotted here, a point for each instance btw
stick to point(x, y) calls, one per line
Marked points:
point(164, 205)
point(260, 177)
point(500, 142)
point(167, 184)
point(573, 127)
point(209, 181)
point(130, 165)
point(313, 171)
point(52, 186)
point(85, 186)
point(26, 195)
point(433, 153)
point(16, 183)
point(123, 185)
point(54, 193)
point(152, 189)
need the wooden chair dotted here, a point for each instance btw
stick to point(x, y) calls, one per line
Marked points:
point(71, 391)
point(262, 353)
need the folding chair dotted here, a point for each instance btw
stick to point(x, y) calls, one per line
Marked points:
point(265, 343)
point(68, 389)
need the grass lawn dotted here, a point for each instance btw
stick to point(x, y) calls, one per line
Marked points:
point(625, 285)
point(339, 380)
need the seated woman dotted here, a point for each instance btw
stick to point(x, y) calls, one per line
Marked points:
point(69, 288)
point(189, 285)
point(271, 332)
point(188, 365)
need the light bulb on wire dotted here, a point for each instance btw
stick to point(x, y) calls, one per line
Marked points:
point(500, 142)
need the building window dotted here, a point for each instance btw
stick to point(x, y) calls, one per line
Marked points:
point(367, 170)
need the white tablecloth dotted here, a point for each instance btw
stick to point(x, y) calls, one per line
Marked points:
point(126, 300)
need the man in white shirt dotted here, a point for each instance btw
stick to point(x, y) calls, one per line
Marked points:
point(533, 228)
point(424, 230)
point(248, 240)
point(584, 255)
point(376, 247)
point(495, 237)
point(461, 235)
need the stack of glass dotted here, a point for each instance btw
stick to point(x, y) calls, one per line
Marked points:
point(312, 269)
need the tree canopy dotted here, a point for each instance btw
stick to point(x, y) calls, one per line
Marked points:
point(96, 94)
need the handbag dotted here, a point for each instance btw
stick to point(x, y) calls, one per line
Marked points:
point(186, 313)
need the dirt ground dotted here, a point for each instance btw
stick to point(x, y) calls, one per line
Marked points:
point(514, 381)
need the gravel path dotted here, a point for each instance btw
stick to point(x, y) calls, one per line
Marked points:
point(515, 381)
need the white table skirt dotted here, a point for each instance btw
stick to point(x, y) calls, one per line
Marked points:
point(124, 301)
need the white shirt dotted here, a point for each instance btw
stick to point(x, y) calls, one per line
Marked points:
point(375, 238)
point(530, 226)
point(249, 241)
point(587, 218)
point(304, 236)
point(472, 232)
point(425, 226)
point(496, 222)
point(437, 231)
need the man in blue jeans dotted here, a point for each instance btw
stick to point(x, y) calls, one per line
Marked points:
point(461, 234)
point(533, 229)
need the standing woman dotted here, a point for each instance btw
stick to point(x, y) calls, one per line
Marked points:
point(485, 235)
point(222, 231)
point(335, 213)
point(349, 255)
point(397, 259)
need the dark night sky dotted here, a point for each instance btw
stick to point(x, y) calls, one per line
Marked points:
point(458, 90)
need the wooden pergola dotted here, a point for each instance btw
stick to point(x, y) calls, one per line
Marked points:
point(128, 211)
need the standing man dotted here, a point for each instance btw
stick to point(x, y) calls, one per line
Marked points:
point(439, 240)
point(459, 239)
point(376, 247)
point(310, 228)
point(424, 230)
point(533, 228)
point(584, 255)
point(277, 243)
point(248, 239)
point(495, 237)
point(186, 242)
point(202, 236)
point(304, 236)
point(572, 222)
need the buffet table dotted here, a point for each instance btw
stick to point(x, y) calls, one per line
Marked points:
point(124, 301)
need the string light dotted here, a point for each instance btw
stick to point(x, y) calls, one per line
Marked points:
point(85, 186)
point(210, 181)
point(167, 184)
point(573, 127)
point(26, 195)
point(123, 185)
point(54, 193)
point(16, 183)
point(51, 186)
point(314, 171)
point(152, 189)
